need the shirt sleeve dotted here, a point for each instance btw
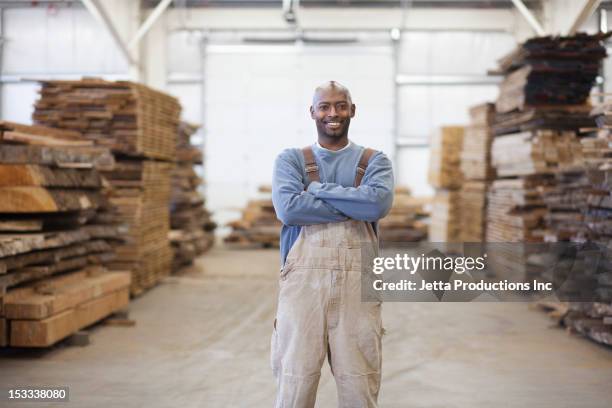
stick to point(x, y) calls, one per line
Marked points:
point(370, 201)
point(293, 205)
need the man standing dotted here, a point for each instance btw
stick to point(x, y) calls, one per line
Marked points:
point(329, 197)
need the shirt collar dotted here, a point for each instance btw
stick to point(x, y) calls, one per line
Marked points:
point(335, 151)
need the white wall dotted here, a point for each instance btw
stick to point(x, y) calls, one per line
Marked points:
point(43, 42)
point(434, 57)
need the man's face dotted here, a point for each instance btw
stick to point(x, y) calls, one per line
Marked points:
point(332, 111)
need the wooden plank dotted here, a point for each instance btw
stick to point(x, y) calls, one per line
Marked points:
point(12, 175)
point(86, 157)
point(46, 332)
point(59, 294)
point(14, 244)
point(36, 272)
point(36, 199)
point(31, 139)
point(21, 225)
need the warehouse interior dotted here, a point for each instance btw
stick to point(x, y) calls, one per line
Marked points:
point(139, 244)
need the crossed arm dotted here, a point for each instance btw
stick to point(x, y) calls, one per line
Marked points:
point(331, 202)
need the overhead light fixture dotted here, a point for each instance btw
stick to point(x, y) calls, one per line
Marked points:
point(289, 10)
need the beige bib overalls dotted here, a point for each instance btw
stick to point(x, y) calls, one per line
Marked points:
point(320, 313)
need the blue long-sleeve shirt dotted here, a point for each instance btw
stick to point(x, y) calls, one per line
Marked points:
point(335, 198)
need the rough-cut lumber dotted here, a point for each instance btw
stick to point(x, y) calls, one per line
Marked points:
point(445, 160)
point(38, 199)
point(258, 225)
point(550, 70)
point(473, 210)
point(445, 222)
point(39, 301)
point(13, 175)
point(535, 152)
point(46, 332)
point(129, 118)
point(14, 244)
point(192, 227)
point(405, 221)
point(62, 157)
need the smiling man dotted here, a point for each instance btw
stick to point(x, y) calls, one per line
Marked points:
point(329, 197)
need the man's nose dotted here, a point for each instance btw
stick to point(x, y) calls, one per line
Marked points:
point(332, 111)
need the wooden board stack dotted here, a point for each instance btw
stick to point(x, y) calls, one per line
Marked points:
point(445, 222)
point(445, 160)
point(550, 71)
point(542, 103)
point(140, 126)
point(587, 202)
point(192, 229)
point(51, 223)
point(477, 172)
point(405, 221)
point(258, 225)
point(446, 176)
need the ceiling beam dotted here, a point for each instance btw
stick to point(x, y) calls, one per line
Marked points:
point(97, 11)
point(528, 15)
point(146, 26)
point(587, 10)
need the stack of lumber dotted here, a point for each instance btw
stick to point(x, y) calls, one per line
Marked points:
point(445, 222)
point(476, 151)
point(542, 103)
point(140, 126)
point(142, 196)
point(445, 160)
point(52, 223)
point(591, 319)
point(127, 117)
point(535, 152)
point(477, 172)
point(192, 229)
point(446, 176)
point(473, 210)
point(43, 313)
point(589, 199)
point(258, 225)
point(405, 221)
point(550, 71)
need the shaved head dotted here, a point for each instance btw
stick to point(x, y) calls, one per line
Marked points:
point(331, 86)
point(332, 109)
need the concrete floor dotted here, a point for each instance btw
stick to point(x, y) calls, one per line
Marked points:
point(202, 340)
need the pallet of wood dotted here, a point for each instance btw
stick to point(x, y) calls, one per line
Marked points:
point(258, 225)
point(406, 221)
point(42, 313)
point(129, 118)
point(192, 230)
point(550, 71)
point(445, 157)
point(445, 221)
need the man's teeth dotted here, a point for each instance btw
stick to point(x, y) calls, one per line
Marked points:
point(333, 123)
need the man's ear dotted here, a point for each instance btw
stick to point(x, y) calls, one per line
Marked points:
point(353, 108)
point(312, 112)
